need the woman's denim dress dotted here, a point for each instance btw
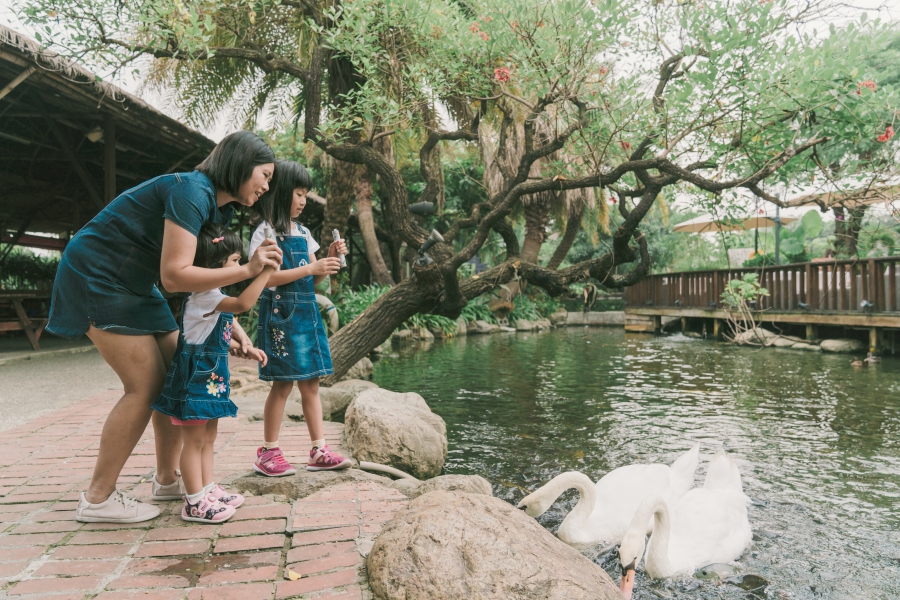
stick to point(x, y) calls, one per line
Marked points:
point(197, 384)
point(290, 330)
point(108, 273)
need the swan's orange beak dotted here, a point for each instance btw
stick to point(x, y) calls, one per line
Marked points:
point(627, 585)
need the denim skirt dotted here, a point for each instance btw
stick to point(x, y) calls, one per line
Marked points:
point(292, 335)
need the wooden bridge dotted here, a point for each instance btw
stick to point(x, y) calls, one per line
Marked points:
point(834, 298)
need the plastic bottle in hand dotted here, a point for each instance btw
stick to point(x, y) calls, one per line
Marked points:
point(337, 237)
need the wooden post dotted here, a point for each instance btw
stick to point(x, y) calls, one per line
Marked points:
point(657, 324)
point(684, 324)
point(873, 339)
point(109, 158)
point(717, 329)
point(812, 333)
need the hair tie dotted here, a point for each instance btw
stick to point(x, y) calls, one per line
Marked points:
point(218, 239)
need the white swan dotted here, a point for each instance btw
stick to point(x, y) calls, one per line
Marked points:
point(604, 510)
point(707, 525)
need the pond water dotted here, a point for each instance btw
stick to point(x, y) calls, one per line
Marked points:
point(818, 442)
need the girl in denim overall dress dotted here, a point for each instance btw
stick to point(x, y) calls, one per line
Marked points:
point(291, 332)
point(196, 392)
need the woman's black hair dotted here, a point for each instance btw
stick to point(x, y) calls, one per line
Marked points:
point(231, 162)
point(275, 205)
point(215, 244)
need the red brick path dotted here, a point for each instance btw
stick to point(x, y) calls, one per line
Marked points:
point(45, 553)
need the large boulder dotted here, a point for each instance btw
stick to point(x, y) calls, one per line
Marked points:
point(843, 345)
point(398, 430)
point(361, 370)
point(472, 484)
point(757, 335)
point(301, 484)
point(483, 327)
point(559, 317)
point(543, 324)
point(337, 398)
point(452, 545)
point(461, 327)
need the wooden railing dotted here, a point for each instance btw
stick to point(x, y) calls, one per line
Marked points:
point(869, 285)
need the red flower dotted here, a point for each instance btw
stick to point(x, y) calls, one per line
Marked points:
point(865, 84)
point(604, 70)
point(474, 27)
point(625, 146)
point(484, 36)
point(888, 134)
point(501, 74)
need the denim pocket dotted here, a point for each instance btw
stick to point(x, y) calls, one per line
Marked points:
point(139, 272)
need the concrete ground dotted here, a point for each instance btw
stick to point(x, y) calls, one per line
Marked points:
point(33, 384)
point(322, 538)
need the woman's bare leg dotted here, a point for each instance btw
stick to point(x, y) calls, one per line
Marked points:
point(166, 436)
point(140, 365)
point(312, 408)
point(274, 409)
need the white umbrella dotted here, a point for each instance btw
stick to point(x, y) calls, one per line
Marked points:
point(707, 224)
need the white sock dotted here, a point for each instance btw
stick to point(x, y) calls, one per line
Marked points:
point(209, 488)
point(194, 498)
point(318, 443)
point(270, 445)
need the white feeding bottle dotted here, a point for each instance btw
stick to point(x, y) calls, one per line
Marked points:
point(337, 237)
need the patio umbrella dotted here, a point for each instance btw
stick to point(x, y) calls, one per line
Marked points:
point(762, 221)
point(704, 224)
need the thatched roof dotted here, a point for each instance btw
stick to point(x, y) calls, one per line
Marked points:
point(883, 194)
point(54, 157)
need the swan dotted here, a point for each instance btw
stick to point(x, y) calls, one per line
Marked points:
point(707, 525)
point(604, 510)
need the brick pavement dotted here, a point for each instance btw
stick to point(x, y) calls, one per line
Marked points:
point(45, 553)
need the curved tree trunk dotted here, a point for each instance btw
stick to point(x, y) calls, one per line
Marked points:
point(573, 225)
point(367, 228)
point(847, 224)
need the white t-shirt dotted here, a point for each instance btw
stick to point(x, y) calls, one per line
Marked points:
point(200, 315)
point(260, 234)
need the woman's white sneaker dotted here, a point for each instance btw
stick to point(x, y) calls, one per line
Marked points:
point(118, 508)
point(173, 491)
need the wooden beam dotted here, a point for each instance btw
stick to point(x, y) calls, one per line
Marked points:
point(15, 82)
point(69, 151)
point(109, 158)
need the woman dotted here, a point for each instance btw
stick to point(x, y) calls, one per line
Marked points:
point(106, 287)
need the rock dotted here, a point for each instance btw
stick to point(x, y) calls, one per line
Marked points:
point(507, 329)
point(559, 317)
point(543, 324)
point(482, 327)
point(361, 370)
point(422, 333)
point(525, 325)
point(384, 348)
point(783, 343)
point(452, 545)
point(843, 345)
point(807, 347)
point(403, 334)
point(300, 485)
point(398, 430)
point(461, 327)
point(494, 329)
point(471, 484)
point(337, 398)
point(755, 336)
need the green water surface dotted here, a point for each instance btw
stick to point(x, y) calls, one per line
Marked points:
point(818, 442)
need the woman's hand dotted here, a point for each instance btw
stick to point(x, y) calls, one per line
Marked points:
point(325, 266)
point(337, 248)
point(268, 254)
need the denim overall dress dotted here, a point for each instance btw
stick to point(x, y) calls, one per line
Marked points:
point(290, 329)
point(197, 384)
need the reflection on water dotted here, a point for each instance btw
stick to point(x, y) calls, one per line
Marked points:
point(817, 441)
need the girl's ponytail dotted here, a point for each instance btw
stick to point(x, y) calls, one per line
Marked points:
point(275, 205)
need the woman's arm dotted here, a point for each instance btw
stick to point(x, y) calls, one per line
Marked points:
point(178, 273)
point(248, 297)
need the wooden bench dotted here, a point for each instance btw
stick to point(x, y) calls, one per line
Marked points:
point(33, 328)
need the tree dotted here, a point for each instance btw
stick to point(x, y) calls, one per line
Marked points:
point(639, 96)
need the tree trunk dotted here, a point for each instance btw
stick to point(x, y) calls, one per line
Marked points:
point(367, 228)
point(573, 225)
point(537, 214)
point(344, 176)
point(847, 225)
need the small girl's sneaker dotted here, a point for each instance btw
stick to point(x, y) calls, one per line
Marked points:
point(323, 459)
point(229, 498)
point(271, 462)
point(208, 509)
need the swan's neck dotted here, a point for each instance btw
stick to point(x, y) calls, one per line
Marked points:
point(656, 562)
point(588, 495)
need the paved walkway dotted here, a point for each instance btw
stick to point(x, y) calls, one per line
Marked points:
point(45, 553)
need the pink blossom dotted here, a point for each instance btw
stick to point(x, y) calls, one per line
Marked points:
point(501, 74)
point(474, 27)
point(484, 36)
point(888, 134)
point(865, 84)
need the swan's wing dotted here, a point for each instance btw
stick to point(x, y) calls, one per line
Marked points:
point(682, 473)
point(621, 491)
point(708, 526)
point(723, 474)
